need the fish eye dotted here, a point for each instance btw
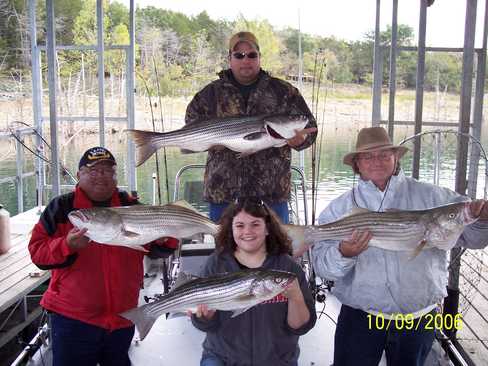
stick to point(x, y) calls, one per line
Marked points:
point(452, 215)
point(278, 280)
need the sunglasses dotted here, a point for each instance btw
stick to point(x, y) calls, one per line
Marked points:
point(241, 55)
point(249, 200)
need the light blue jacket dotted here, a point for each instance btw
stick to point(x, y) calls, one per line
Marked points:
point(390, 281)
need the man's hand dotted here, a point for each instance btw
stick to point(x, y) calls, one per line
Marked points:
point(356, 245)
point(479, 208)
point(76, 238)
point(203, 312)
point(300, 136)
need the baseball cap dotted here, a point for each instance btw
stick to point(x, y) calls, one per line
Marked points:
point(95, 155)
point(243, 37)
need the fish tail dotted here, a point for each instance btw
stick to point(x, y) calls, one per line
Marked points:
point(145, 142)
point(142, 321)
point(297, 236)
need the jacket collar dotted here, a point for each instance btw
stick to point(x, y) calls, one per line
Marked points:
point(82, 201)
point(395, 182)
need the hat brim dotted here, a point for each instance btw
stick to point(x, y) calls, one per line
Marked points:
point(349, 158)
point(89, 165)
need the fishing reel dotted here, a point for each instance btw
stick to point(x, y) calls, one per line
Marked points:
point(155, 297)
point(322, 289)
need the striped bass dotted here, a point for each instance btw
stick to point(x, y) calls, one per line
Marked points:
point(397, 230)
point(245, 135)
point(237, 292)
point(134, 226)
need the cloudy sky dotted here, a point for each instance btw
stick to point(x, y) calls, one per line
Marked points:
point(344, 19)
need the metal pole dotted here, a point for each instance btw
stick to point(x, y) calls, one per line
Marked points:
point(36, 97)
point(419, 90)
point(377, 69)
point(437, 158)
point(301, 153)
point(478, 110)
point(51, 70)
point(131, 90)
point(101, 72)
point(19, 180)
point(451, 303)
point(393, 54)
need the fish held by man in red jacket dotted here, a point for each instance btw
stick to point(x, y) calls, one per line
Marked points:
point(134, 226)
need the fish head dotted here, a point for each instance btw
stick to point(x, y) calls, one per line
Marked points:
point(270, 283)
point(448, 223)
point(284, 126)
point(102, 223)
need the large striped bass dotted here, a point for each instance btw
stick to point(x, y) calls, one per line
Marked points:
point(397, 230)
point(246, 135)
point(134, 226)
point(237, 292)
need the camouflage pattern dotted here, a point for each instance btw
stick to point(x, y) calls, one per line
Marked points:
point(265, 174)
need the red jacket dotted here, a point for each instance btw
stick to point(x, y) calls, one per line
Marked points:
point(93, 284)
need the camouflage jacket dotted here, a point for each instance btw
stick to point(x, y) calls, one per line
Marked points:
point(265, 174)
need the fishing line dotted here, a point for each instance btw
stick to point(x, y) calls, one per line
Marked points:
point(156, 155)
point(65, 171)
point(162, 129)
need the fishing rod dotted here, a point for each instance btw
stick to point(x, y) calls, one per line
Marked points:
point(154, 130)
point(65, 171)
point(162, 129)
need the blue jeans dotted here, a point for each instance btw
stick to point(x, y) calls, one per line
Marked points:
point(76, 343)
point(280, 208)
point(359, 342)
point(209, 359)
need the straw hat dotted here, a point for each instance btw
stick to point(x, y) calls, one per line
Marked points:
point(372, 139)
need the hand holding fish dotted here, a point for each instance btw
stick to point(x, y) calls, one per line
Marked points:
point(479, 209)
point(204, 312)
point(356, 244)
point(293, 291)
point(300, 136)
point(76, 238)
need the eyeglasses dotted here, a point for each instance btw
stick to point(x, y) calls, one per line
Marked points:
point(241, 55)
point(242, 201)
point(104, 172)
point(381, 156)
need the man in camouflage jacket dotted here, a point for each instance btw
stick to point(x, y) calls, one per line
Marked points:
point(246, 90)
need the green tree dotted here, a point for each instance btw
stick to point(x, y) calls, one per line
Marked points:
point(269, 43)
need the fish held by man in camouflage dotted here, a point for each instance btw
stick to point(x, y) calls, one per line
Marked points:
point(245, 135)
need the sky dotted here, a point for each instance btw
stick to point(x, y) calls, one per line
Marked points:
point(344, 19)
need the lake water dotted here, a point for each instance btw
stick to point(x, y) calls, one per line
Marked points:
point(334, 177)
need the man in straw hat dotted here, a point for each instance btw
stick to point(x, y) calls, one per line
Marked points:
point(246, 90)
point(375, 284)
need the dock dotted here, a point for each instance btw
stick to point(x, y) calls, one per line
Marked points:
point(20, 279)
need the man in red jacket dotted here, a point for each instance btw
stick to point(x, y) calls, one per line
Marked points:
point(90, 283)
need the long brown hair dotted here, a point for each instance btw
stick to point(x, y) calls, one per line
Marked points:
point(277, 241)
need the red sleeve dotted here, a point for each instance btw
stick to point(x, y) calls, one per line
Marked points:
point(46, 250)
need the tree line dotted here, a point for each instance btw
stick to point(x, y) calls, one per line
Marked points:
point(185, 52)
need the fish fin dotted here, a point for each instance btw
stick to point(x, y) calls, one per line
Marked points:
point(130, 234)
point(141, 319)
point(185, 204)
point(245, 154)
point(418, 249)
point(297, 235)
point(184, 277)
point(144, 144)
point(239, 311)
point(357, 211)
point(254, 136)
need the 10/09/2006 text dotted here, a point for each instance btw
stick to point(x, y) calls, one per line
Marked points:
point(400, 321)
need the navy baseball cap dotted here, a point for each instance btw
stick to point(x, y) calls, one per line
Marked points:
point(95, 155)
